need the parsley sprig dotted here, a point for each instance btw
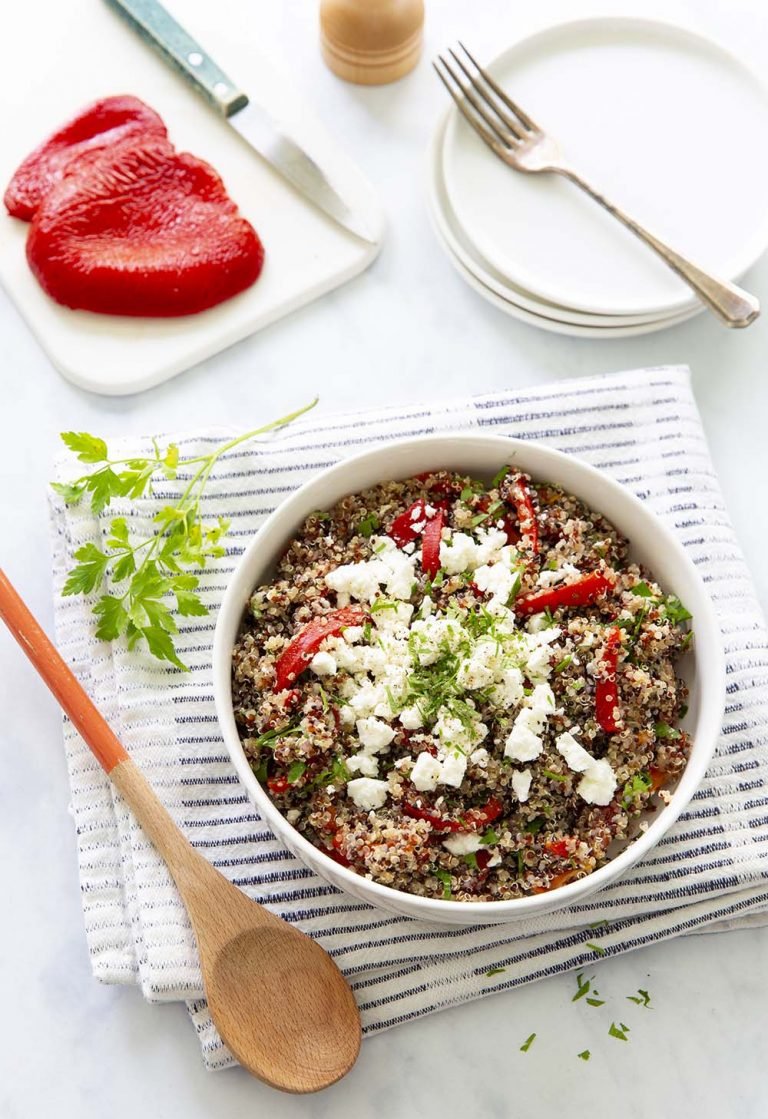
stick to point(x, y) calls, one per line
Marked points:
point(153, 577)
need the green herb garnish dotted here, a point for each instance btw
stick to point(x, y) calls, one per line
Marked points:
point(675, 610)
point(563, 664)
point(584, 1055)
point(295, 772)
point(489, 837)
point(535, 825)
point(320, 515)
point(664, 730)
point(596, 1002)
point(643, 590)
point(619, 1031)
point(494, 971)
point(583, 987)
point(270, 736)
point(635, 788)
point(444, 877)
point(369, 525)
point(153, 568)
point(497, 479)
point(642, 998)
point(595, 948)
point(550, 773)
point(527, 1043)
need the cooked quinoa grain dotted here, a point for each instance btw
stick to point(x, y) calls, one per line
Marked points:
point(463, 691)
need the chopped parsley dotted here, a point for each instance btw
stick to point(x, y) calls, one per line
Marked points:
point(563, 664)
point(489, 837)
point(584, 1055)
point(369, 525)
point(664, 730)
point(295, 772)
point(675, 610)
point(550, 773)
point(595, 1001)
point(269, 738)
point(619, 1031)
point(583, 986)
point(634, 789)
point(497, 479)
point(527, 1043)
point(444, 877)
point(643, 590)
point(321, 515)
point(598, 924)
point(382, 604)
point(595, 948)
point(494, 971)
point(535, 825)
point(471, 859)
point(642, 998)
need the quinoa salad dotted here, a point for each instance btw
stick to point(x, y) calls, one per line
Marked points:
point(463, 690)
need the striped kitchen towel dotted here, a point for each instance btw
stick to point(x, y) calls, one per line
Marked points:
point(710, 871)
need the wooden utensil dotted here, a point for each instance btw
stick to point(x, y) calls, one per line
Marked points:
point(276, 997)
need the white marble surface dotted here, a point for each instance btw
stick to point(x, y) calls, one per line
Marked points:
point(407, 329)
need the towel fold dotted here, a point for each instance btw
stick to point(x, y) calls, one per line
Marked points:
point(709, 872)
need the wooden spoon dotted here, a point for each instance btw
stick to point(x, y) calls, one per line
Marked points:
point(276, 997)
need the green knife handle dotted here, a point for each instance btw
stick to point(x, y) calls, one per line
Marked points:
point(160, 30)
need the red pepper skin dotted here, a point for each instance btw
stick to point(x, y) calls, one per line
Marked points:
point(526, 514)
point(277, 785)
point(102, 125)
point(142, 230)
point(472, 820)
point(606, 691)
point(402, 530)
point(430, 544)
point(300, 651)
point(558, 847)
point(581, 593)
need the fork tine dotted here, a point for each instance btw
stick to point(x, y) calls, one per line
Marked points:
point(512, 105)
point(495, 125)
point(507, 122)
point(485, 134)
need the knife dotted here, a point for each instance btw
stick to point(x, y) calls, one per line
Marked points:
point(158, 27)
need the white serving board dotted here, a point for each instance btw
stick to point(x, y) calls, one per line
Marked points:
point(61, 56)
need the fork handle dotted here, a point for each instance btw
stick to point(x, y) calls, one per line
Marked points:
point(735, 307)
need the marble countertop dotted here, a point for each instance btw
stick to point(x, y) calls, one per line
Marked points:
point(407, 329)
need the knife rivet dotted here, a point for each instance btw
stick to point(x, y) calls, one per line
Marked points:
point(195, 58)
point(220, 89)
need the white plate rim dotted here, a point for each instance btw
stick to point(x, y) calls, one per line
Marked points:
point(759, 241)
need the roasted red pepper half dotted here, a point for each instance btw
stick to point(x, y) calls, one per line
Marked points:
point(101, 125)
point(581, 593)
point(520, 494)
point(409, 524)
point(300, 651)
point(142, 230)
point(606, 690)
point(430, 544)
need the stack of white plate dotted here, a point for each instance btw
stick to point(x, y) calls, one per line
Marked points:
point(665, 123)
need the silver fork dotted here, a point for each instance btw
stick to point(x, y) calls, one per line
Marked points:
point(524, 145)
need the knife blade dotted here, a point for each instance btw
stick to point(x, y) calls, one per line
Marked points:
point(257, 127)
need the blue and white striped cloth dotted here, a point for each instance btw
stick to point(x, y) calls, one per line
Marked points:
point(711, 871)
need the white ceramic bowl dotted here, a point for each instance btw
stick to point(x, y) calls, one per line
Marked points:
point(482, 456)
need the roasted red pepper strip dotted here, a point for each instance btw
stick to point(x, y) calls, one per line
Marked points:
point(472, 820)
point(606, 691)
point(581, 593)
point(403, 529)
point(297, 655)
point(558, 847)
point(277, 785)
point(430, 544)
point(526, 514)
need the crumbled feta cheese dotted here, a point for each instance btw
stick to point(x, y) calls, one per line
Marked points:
point(490, 544)
point(347, 716)
point(351, 634)
point(453, 766)
point(509, 691)
point(458, 554)
point(480, 757)
point(359, 580)
point(521, 784)
point(479, 669)
point(551, 578)
point(463, 843)
point(368, 793)
point(367, 698)
point(598, 784)
point(522, 744)
point(496, 580)
point(292, 815)
point(323, 664)
point(426, 772)
point(576, 757)
point(363, 763)
point(411, 717)
point(542, 698)
point(453, 732)
point(374, 734)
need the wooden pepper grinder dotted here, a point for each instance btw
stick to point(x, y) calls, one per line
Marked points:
point(371, 42)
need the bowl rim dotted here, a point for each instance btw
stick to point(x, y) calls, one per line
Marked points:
point(232, 608)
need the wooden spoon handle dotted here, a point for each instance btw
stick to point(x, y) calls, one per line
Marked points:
point(59, 677)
